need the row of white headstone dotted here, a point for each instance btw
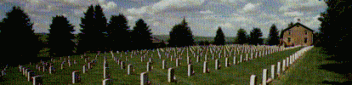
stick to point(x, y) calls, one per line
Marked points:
point(280, 68)
point(190, 72)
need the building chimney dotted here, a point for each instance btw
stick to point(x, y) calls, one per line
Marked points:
point(298, 20)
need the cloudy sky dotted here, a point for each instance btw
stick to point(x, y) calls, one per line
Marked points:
point(203, 16)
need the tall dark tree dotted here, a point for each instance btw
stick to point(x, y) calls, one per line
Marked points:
point(88, 39)
point(60, 37)
point(241, 36)
point(141, 35)
point(118, 33)
point(18, 38)
point(273, 36)
point(101, 24)
point(255, 36)
point(335, 29)
point(219, 38)
point(181, 35)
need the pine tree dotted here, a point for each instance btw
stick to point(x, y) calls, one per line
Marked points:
point(255, 36)
point(141, 35)
point(219, 38)
point(181, 35)
point(273, 36)
point(87, 39)
point(100, 24)
point(60, 37)
point(118, 33)
point(18, 38)
point(241, 36)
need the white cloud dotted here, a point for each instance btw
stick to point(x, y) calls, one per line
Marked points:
point(293, 14)
point(206, 12)
point(250, 7)
point(165, 4)
point(141, 10)
point(226, 25)
point(130, 18)
point(109, 5)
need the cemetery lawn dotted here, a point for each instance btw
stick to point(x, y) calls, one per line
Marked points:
point(234, 74)
point(317, 68)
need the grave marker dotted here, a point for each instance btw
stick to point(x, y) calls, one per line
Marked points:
point(76, 77)
point(205, 67)
point(30, 75)
point(272, 71)
point(144, 78)
point(216, 64)
point(163, 64)
point(253, 80)
point(129, 67)
point(226, 62)
point(107, 82)
point(278, 67)
point(264, 78)
point(190, 70)
point(170, 75)
point(37, 80)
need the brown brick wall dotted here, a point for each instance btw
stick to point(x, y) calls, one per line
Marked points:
point(298, 35)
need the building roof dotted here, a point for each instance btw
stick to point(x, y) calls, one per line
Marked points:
point(296, 25)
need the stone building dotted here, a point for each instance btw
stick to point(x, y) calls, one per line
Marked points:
point(297, 34)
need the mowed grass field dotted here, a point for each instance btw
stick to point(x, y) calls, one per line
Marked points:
point(235, 74)
point(317, 68)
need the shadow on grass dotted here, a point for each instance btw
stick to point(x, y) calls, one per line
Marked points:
point(341, 67)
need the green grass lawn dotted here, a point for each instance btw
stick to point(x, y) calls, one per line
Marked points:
point(235, 74)
point(311, 69)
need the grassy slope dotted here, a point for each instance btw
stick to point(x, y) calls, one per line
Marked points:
point(235, 74)
point(308, 70)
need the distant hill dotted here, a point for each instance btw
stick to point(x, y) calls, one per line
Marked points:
point(43, 37)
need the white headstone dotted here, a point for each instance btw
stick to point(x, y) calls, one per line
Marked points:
point(37, 80)
point(30, 75)
point(84, 69)
point(278, 67)
point(144, 78)
point(253, 80)
point(129, 67)
point(205, 67)
point(264, 78)
point(107, 81)
point(234, 60)
point(226, 62)
point(272, 71)
point(190, 69)
point(216, 64)
point(177, 63)
point(170, 75)
point(75, 77)
point(148, 66)
point(163, 64)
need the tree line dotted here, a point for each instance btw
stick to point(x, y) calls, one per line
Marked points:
point(97, 34)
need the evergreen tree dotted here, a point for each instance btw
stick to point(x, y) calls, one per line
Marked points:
point(241, 36)
point(273, 36)
point(18, 38)
point(100, 24)
point(219, 38)
point(334, 27)
point(255, 36)
point(181, 35)
point(60, 37)
point(141, 35)
point(118, 33)
point(87, 39)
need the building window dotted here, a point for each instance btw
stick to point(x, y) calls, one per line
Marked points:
point(306, 32)
point(289, 32)
point(289, 39)
point(305, 40)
